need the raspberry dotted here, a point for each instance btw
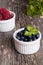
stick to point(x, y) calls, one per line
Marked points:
point(6, 17)
point(4, 10)
point(1, 17)
point(5, 14)
point(11, 15)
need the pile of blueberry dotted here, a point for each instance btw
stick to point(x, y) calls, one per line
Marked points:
point(28, 34)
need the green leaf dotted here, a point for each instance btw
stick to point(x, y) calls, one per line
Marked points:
point(34, 31)
point(29, 30)
point(28, 11)
point(27, 33)
point(28, 27)
point(35, 7)
point(32, 8)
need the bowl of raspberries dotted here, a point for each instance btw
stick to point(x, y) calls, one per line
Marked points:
point(7, 20)
point(27, 40)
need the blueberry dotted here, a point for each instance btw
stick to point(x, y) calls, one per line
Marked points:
point(33, 37)
point(37, 35)
point(22, 38)
point(29, 38)
point(18, 37)
point(21, 33)
point(18, 34)
point(25, 40)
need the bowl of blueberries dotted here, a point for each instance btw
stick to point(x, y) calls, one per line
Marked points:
point(27, 40)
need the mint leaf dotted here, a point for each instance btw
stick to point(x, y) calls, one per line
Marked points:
point(29, 30)
point(28, 27)
point(34, 31)
point(27, 33)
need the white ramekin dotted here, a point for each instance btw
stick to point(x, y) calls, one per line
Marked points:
point(7, 25)
point(26, 47)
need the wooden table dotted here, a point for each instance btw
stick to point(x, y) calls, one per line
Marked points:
point(8, 54)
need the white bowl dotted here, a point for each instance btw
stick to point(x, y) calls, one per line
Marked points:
point(26, 47)
point(7, 25)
